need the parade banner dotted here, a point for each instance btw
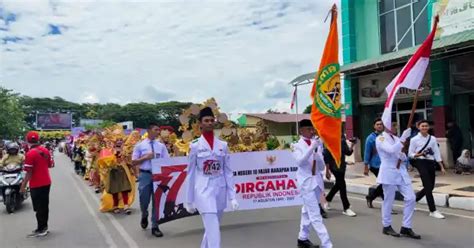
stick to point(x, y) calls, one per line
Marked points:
point(265, 179)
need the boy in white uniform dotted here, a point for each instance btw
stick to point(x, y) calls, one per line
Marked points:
point(209, 181)
point(393, 176)
point(309, 159)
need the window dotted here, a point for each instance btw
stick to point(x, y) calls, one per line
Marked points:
point(403, 23)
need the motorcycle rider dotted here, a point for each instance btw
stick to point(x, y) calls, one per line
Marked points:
point(12, 156)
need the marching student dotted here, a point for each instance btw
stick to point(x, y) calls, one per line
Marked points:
point(209, 181)
point(393, 176)
point(308, 152)
point(425, 153)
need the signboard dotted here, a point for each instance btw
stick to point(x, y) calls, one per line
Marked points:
point(372, 87)
point(454, 16)
point(53, 121)
point(264, 179)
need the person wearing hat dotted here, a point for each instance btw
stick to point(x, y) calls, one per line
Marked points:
point(308, 153)
point(143, 152)
point(209, 181)
point(37, 164)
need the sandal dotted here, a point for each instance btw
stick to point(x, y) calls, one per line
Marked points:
point(117, 211)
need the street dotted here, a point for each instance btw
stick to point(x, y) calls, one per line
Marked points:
point(76, 222)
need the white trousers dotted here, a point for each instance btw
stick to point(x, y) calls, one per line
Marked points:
point(311, 216)
point(212, 233)
point(389, 197)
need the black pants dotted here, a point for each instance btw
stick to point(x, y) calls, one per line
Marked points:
point(340, 186)
point(40, 199)
point(426, 168)
point(378, 191)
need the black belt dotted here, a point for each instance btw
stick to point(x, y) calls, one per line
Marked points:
point(145, 171)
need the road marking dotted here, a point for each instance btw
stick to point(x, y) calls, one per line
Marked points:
point(130, 241)
point(108, 238)
point(417, 209)
point(126, 237)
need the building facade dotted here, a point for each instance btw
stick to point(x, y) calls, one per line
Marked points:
point(378, 38)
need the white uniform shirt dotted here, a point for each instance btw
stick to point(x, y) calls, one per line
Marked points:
point(389, 149)
point(418, 142)
point(210, 179)
point(304, 160)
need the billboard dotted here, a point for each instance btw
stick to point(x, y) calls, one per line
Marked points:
point(454, 16)
point(54, 121)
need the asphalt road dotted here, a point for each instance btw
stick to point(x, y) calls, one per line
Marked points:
point(76, 222)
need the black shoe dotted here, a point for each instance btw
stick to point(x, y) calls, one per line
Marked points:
point(394, 212)
point(369, 202)
point(156, 232)
point(144, 222)
point(408, 232)
point(306, 244)
point(389, 231)
point(322, 212)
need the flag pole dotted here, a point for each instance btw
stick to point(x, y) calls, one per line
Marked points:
point(296, 105)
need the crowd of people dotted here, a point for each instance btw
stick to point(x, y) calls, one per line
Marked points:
point(113, 162)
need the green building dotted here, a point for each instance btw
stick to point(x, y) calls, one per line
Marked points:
point(378, 38)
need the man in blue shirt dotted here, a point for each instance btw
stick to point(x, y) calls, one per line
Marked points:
point(143, 153)
point(372, 160)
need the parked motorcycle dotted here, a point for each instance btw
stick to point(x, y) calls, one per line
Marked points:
point(11, 178)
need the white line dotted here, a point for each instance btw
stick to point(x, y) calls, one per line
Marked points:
point(108, 238)
point(418, 209)
point(131, 243)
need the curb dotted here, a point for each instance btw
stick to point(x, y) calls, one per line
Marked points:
point(465, 203)
point(441, 200)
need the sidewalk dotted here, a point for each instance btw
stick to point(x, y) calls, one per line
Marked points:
point(451, 190)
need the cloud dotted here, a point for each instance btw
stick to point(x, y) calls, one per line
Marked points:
point(153, 94)
point(243, 53)
point(277, 89)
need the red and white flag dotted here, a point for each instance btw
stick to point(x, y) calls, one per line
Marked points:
point(293, 100)
point(410, 76)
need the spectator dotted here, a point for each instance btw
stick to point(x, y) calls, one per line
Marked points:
point(455, 139)
point(464, 163)
point(372, 160)
point(37, 164)
point(339, 174)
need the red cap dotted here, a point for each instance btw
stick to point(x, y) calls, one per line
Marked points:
point(32, 137)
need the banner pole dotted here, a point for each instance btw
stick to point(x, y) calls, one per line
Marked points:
point(296, 105)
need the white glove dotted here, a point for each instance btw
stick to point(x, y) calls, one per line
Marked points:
point(315, 143)
point(235, 204)
point(405, 135)
point(190, 208)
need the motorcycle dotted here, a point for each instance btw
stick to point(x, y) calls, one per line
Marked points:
point(11, 178)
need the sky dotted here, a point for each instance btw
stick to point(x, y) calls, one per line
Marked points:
point(243, 53)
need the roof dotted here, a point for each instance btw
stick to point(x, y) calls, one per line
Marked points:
point(280, 118)
point(445, 46)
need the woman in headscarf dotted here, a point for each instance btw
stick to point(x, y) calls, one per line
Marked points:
point(464, 163)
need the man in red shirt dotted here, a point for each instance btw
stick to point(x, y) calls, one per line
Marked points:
point(37, 164)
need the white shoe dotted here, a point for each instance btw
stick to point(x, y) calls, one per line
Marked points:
point(436, 214)
point(349, 212)
point(326, 206)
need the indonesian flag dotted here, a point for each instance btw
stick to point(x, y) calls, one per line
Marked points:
point(410, 76)
point(293, 99)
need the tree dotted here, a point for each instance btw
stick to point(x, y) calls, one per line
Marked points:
point(12, 123)
point(307, 110)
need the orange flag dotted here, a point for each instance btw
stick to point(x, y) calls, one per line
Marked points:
point(326, 94)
